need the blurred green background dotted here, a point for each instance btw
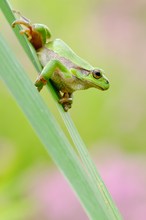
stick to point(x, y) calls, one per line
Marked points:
point(112, 36)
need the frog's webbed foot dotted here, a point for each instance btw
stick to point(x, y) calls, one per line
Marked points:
point(66, 101)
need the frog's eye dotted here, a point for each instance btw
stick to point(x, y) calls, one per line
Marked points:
point(96, 74)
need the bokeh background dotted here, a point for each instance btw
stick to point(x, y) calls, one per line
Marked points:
point(111, 35)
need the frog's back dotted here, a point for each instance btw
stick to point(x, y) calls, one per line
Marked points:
point(63, 50)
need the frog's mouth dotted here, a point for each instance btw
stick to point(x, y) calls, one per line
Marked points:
point(103, 88)
point(100, 87)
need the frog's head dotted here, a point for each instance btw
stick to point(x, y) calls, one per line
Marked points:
point(97, 79)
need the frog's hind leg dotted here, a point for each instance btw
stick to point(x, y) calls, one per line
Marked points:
point(37, 34)
point(33, 35)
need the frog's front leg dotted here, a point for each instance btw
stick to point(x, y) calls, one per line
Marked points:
point(66, 101)
point(46, 74)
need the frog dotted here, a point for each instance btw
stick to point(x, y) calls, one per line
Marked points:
point(61, 66)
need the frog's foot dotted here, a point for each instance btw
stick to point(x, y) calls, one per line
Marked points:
point(27, 31)
point(66, 101)
point(40, 82)
point(66, 106)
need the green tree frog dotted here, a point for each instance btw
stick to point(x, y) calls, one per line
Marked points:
point(66, 70)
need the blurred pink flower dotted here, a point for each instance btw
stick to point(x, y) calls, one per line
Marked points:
point(125, 178)
point(123, 175)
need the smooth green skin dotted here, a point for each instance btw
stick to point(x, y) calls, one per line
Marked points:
point(67, 71)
